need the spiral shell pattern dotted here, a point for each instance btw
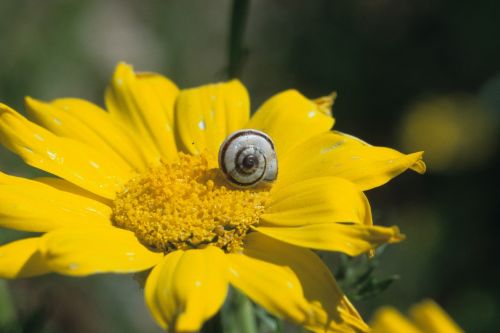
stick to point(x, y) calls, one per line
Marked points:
point(247, 157)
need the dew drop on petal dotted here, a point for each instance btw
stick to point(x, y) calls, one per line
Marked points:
point(73, 266)
point(234, 272)
point(332, 147)
point(51, 154)
point(201, 125)
point(78, 176)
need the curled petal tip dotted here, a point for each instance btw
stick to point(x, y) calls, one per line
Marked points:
point(4, 108)
point(419, 165)
point(397, 236)
point(325, 103)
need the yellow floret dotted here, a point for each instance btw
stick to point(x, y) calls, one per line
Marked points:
point(186, 205)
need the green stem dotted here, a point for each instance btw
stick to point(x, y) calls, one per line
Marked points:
point(237, 52)
point(245, 314)
point(238, 315)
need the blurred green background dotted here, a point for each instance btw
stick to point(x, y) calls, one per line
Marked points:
point(410, 74)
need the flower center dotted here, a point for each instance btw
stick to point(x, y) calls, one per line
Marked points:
point(187, 204)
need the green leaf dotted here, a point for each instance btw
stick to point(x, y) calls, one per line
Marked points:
point(356, 276)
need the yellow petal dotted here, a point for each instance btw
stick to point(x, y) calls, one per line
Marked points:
point(351, 239)
point(317, 200)
point(206, 115)
point(103, 126)
point(292, 283)
point(67, 158)
point(158, 293)
point(187, 288)
point(327, 304)
point(390, 320)
point(93, 250)
point(311, 205)
point(340, 155)
point(274, 287)
point(431, 318)
point(290, 118)
point(21, 259)
point(63, 124)
point(144, 104)
point(32, 206)
point(65, 186)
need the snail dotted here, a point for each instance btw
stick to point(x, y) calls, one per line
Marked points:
point(247, 157)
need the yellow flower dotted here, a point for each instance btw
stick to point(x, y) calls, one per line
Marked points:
point(426, 317)
point(138, 187)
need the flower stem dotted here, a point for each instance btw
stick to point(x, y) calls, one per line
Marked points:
point(238, 315)
point(237, 51)
point(245, 314)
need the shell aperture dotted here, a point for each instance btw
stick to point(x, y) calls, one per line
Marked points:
point(247, 157)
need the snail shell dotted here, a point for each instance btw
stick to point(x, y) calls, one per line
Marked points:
point(247, 157)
